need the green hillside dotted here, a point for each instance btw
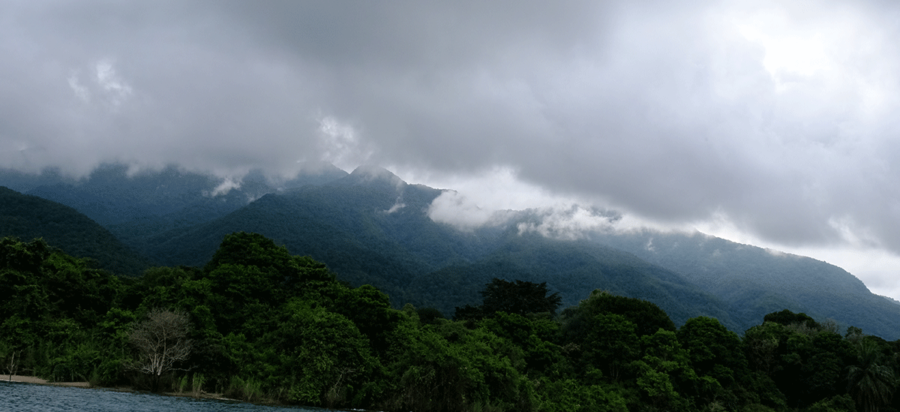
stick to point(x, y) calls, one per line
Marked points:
point(345, 224)
point(572, 268)
point(755, 281)
point(28, 217)
point(110, 195)
point(370, 227)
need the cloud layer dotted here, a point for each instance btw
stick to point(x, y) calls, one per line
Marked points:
point(777, 118)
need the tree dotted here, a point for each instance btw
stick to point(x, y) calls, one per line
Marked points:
point(716, 357)
point(787, 318)
point(664, 373)
point(161, 342)
point(468, 312)
point(647, 317)
point(518, 297)
point(429, 316)
point(870, 380)
point(10, 358)
point(611, 344)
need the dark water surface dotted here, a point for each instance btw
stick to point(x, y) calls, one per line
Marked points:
point(31, 397)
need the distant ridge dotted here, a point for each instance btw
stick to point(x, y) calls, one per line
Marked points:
point(28, 217)
point(137, 206)
point(756, 281)
point(371, 227)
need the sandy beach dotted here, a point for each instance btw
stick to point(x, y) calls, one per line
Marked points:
point(39, 381)
point(32, 379)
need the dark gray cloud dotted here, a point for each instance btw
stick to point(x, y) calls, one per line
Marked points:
point(779, 119)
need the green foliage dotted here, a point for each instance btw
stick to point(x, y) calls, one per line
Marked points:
point(870, 380)
point(717, 358)
point(533, 335)
point(518, 297)
point(646, 316)
point(429, 316)
point(804, 359)
point(268, 326)
point(569, 395)
point(787, 318)
point(611, 345)
point(452, 368)
point(838, 403)
point(370, 310)
point(30, 217)
point(317, 352)
point(664, 373)
point(754, 281)
point(351, 224)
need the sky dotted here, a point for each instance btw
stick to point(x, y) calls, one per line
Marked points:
point(765, 122)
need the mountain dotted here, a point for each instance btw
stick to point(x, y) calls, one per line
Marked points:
point(23, 182)
point(573, 268)
point(370, 226)
point(28, 217)
point(138, 206)
point(311, 173)
point(756, 281)
point(110, 195)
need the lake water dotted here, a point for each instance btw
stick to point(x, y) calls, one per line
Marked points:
point(30, 397)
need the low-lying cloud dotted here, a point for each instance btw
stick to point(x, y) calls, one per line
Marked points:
point(574, 222)
point(452, 208)
point(779, 116)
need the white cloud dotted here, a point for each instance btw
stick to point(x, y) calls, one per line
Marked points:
point(115, 88)
point(226, 186)
point(79, 89)
point(398, 204)
point(452, 208)
point(780, 116)
point(105, 84)
point(573, 222)
point(339, 143)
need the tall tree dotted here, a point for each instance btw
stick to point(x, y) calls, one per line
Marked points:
point(870, 381)
point(162, 342)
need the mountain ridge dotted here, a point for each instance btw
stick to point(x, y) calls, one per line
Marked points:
point(28, 217)
point(370, 226)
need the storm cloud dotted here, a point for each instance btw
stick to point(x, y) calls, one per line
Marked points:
point(775, 120)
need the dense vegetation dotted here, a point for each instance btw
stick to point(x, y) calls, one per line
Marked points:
point(29, 217)
point(264, 325)
point(755, 281)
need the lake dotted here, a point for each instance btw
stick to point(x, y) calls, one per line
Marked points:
point(16, 396)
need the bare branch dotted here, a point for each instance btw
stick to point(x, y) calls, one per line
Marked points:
point(161, 342)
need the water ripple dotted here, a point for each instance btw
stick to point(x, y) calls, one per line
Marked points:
point(26, 397)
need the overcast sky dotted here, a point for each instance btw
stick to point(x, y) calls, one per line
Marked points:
point(774, 123)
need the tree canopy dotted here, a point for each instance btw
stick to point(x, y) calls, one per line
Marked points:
point(257, 323)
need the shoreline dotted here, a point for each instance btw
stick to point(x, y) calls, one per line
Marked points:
point(39, 381)
point(87, 385)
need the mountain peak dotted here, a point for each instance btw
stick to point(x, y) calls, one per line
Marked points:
point(372, 173)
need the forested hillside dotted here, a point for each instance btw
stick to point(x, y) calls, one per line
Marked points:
point(259, 324)
point(370, 227)
point(29, 217)
point(573, 269)
point(755, 281)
